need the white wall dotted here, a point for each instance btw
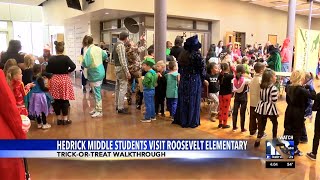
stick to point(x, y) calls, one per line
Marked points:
point(22, 13)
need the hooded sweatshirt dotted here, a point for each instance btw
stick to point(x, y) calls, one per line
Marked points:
point(285, 51)
point(150, 80)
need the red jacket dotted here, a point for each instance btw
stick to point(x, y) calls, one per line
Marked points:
point(10, 128)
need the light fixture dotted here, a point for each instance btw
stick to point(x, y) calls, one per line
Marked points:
point(315, 14)
point(307, 9)
point(106, 13)
point(286, 5)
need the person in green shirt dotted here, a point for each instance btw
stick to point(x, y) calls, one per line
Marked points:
point(149, 84)
point(173, 78)
point(274, 61)
point(169, 46)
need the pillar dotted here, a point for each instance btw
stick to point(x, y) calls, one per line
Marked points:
point(308, 35)
point(310, 14)
point(291, 28)
point(160, 29)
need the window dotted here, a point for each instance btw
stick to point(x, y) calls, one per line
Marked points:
point(3, 25)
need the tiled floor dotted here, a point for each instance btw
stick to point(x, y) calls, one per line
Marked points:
point(113, 125)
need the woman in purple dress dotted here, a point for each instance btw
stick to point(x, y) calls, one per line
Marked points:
point(192, 74)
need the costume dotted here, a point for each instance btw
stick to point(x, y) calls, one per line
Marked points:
point(225, 95)
point(297, 100)
point(274, 61)
point(285, 52)
point(149, 83)
point(20, 91)
point(134, 66)
point(192, 74)
point(10, 128)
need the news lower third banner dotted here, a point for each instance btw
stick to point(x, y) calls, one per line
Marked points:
point(125, 149)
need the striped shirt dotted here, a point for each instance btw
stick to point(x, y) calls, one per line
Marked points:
point(267, 103)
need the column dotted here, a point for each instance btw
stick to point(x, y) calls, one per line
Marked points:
point(160, 29)
point(291, 28)
point(308, 35)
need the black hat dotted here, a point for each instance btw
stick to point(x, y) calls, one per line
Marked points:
point(192, 43)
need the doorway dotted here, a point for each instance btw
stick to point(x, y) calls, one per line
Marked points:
point(241, 38)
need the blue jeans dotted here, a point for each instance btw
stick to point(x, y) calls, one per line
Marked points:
point(148, 95)
point(285, 67)
point(172, 105)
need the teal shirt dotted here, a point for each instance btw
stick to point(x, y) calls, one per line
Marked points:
point(93, 61)
point(150, 80)
point(172, 85)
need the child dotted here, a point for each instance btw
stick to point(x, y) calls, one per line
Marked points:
point(160, 94)
point(40, 100)
point(297, 98)
point(240, 87)
point(309, 82)
point(318, 69)
point(173, 78)
point(149, 83)
point(266, 107)
point(14, 79)
point(27, 73)
point(255, 96)
point(245, 63)
point(9, 64)
point(214, 87)
point(316, 107)
point(225, 94)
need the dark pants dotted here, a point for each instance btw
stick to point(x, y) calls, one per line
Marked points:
point(253, 124)
point(139, 101)
point(83, 80)
point(105, 65)
point(304, 135)
point(262, 122)
point(42, 119)
point(316, 137)
point(172, 105)
point(60, 105)
point(159, 102)
point(243, 107)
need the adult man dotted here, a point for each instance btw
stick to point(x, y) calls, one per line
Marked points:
point(93, 61)
point(122, 72)
point(134, 64)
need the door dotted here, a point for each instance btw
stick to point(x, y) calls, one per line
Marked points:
point(273, 39)
point(3, 41)
point(230, 38)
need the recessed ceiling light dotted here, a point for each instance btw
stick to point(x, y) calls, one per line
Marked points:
point(106, 13)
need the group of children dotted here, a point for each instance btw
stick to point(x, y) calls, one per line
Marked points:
point(159, 86)
point(224, 83)
point(30, 89)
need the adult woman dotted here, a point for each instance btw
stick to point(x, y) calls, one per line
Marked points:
point(192, 71)
point(285, 54)
point(219, 48)
point(177, 48)
point(12, 53)
point(10, 128)
point(60, 84)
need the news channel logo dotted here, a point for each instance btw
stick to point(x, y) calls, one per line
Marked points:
point(282, 148)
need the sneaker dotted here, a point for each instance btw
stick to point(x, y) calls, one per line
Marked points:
point(39, 126)
point(97, 115)
point(220, 126)
point(153, 119)
point(145, 120)
point(225, 126)
point(67, 122)
point(298, 153)
point(257, 144)
point(243, 130)
point(92, 112)
point(234, 129)
point(253, 133)
point(122, 111)
point(311, 156)
point(46, 126)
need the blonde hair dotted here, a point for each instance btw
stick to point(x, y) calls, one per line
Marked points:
point(297, 77)
point(12, 71)
point(161, 64)
point(28, 61)
point(8, 64)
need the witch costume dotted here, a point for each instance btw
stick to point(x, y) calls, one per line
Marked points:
point(192, 71)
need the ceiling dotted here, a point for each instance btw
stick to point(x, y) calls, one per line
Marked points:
point(104, 15)
point(302, 6)
point(25, 2)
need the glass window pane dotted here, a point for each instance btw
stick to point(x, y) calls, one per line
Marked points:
point(3, 25)
point(202, 25)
